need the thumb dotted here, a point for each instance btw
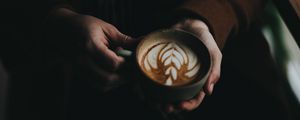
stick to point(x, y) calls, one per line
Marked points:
point(119, 38)
point(126, 41)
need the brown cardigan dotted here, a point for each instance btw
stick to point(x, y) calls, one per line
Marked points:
point(225, 16)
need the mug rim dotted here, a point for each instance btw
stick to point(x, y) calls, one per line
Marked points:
point(192, 84)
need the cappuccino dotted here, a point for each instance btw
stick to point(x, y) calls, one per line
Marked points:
point(168, 62)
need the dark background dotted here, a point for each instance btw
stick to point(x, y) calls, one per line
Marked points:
point(249, 88)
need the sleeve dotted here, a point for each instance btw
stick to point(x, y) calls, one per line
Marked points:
point(224, 17)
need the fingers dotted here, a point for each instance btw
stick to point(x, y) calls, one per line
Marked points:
point(118, 38)
point(187, 105)
point(106, 41)
point(216, 59)
point(214, 74)
point(193, 103)
point(105, 80)
point(107, 57)
point(199, 29)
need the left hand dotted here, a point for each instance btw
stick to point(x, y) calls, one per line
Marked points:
point(200, 30)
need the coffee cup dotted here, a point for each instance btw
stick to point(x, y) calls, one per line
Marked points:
point(173, 65)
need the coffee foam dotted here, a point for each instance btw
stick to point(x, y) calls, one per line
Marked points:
point(168, 62)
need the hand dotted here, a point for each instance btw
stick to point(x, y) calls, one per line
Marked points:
point(104, 40)
point(101, 40)
point(199, 29)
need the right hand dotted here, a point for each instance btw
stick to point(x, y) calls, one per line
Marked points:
point(200, 30)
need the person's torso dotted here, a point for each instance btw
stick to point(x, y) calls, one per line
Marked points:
point(133, 17)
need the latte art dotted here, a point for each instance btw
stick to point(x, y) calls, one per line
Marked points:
point(170, 63)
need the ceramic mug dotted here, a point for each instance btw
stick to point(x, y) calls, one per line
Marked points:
point(172, 65)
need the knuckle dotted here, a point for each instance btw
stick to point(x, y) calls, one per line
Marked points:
point(215, 77)
point(216, 74)
point(110, 28)
point(220, 55)
point(109, 25)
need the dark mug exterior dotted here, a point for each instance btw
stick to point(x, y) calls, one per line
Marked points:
point(162, 93)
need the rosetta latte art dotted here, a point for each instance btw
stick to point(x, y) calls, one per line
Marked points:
point(170, 64)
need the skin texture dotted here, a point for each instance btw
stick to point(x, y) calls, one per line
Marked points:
point(103, 39)
point(100, 37)
point(199, 29)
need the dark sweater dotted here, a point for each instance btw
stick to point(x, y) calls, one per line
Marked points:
point(137, 17)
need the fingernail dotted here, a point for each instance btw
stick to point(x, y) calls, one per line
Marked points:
point(211, 88)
